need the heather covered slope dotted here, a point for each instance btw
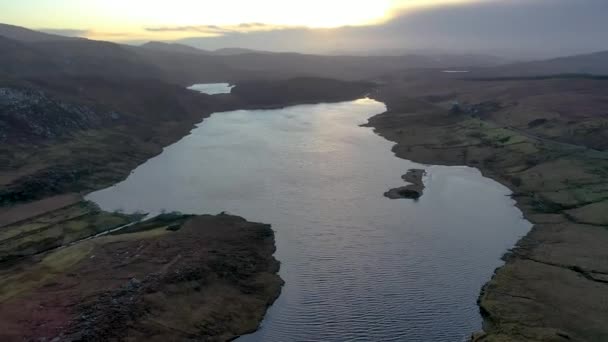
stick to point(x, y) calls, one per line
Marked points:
point(192, 278)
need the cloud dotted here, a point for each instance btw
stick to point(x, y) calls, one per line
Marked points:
point(215, 30)
point(199, 28)
point(514, 28)
point(250, 25)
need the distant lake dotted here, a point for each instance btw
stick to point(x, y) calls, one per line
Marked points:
point(212, 88)
point(455, 71)
point(357, 266)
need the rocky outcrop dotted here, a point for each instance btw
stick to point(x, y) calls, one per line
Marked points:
point(28, 115)
point(412, 191)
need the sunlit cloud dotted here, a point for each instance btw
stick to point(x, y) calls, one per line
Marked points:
point(217, 30)
point(133, 36)
point(186, 18)
point(310, 13)
point(368, 13)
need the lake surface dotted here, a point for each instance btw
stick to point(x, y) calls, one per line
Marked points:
point(357, 266)
point(212, 88)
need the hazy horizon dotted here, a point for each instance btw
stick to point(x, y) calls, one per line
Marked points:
point(514, 29)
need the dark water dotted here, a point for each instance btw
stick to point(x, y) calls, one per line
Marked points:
point(357, 266)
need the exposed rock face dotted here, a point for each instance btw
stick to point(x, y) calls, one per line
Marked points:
point(27, 114)
point(412, 191)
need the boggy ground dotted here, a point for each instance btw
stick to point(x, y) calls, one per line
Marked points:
point(543, 146)
point(175, 278)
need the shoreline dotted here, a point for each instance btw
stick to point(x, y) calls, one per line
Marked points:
point(551, 255)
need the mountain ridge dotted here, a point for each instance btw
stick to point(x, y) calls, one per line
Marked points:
point(27, 35)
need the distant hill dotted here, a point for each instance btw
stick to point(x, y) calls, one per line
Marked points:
point(18, 60)
point(298, 90)
point(591, 64)
point(32, 54)
point(184, 48)
point(236, 51)
point(84, 57)
point(173, 47)
point(26, 35)
point(473, 60)
point(73, 58)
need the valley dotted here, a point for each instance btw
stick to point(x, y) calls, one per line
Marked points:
point(78, 116)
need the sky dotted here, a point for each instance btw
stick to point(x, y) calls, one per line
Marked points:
point(515, 28)
point(132, 19)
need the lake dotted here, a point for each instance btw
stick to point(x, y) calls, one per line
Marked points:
point(357, 266)
point(212, 88)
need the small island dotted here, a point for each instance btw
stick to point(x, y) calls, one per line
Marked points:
point(411, 191)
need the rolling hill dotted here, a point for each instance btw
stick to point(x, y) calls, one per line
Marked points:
point(589, 64)
point(27, 35)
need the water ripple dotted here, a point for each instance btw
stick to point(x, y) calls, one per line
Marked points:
point(357, 266)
